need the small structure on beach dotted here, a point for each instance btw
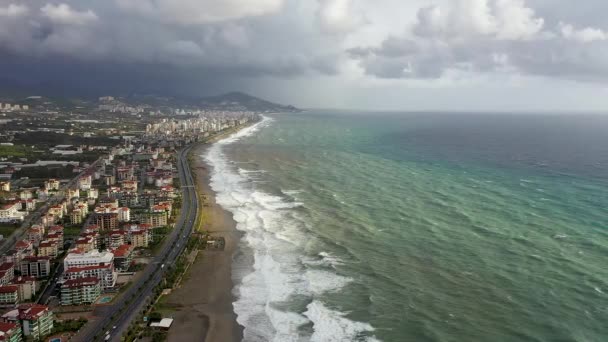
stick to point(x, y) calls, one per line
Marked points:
point(164, 324)
point(216, 243)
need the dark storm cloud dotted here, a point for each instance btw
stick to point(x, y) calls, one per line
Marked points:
point(215, 44)
point(203, 41)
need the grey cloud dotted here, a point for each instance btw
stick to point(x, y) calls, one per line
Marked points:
point(481, 36)
point(236, 37)
point(187, 12)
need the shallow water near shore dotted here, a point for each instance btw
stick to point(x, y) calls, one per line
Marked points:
point(418, 227)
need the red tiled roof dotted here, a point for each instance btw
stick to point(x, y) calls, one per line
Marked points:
point(31, 311)
point(9, 205)
point(22, 244)
point(22, 280)
point(7, 327)
point(6, 266)
point(36, 258)
point(122, 250)
point(78, 282)
point(9, 288)
point(84, 239)
point(47, 243)
point(77, 269)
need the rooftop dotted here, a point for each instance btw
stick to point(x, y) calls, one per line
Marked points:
point(164, 323)
point(31, 311)
point(9, 288)
point(6, 327)
point(86, 281)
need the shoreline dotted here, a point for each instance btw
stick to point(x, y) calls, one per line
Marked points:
point(202, 304)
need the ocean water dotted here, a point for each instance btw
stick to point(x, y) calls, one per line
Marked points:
point(419, 227)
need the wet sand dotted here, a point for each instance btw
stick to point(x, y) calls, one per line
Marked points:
point(202, 305)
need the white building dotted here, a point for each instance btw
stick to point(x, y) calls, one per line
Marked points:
point(10, 212)
point(92, 258)
point(91, 264)
point(84, 182)
point(124, 214)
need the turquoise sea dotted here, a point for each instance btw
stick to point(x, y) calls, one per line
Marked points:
point(419, 226)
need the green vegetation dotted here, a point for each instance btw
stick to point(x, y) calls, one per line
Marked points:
point(135, 267)
point(55, 171)
point(68, 325)
point(71, 231)
point(7, 229)
point(159, 237)
point(51, 139)
point(17, 151)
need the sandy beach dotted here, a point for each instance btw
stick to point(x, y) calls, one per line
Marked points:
point(202, 305)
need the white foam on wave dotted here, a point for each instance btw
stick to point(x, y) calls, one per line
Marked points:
point(277, 239)
point(292, 192)
point(334, 327)
point(323, 281)
point(331, 259)
point(247, 172)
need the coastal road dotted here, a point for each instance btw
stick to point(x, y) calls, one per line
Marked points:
point(122, 313)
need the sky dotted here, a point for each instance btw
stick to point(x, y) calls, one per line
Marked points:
point(499, 55)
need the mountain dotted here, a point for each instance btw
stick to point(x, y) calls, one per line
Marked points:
point(15, 91)
point(242, 101)
point(236, 101)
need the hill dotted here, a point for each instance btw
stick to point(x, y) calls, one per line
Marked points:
point(235, 101)
point(242, 101)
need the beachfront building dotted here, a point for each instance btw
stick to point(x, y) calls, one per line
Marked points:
point(106, 274)
point(7, 272)
point(36, 320)
point(28, 205)
point(163, 206)
point(129, 186)
point(22, 248)
point(86, 243)
point(25, 194)
point(116, 238)
point(76, 217)
point(48, 248)
point(84, 182)
point(73, 193)
point(91, 264)
point(80, 291)
point(10, 212)
point(10, 332)
point(123, 255)
point(9, 295)
point(106, 221)
point(93, 193)
point(51, 184)
point(35, 234)
point(28, 286)
point(155, 219)
point(57, 237)
point(140, 239)
point(35, 266)
point(91, 258)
